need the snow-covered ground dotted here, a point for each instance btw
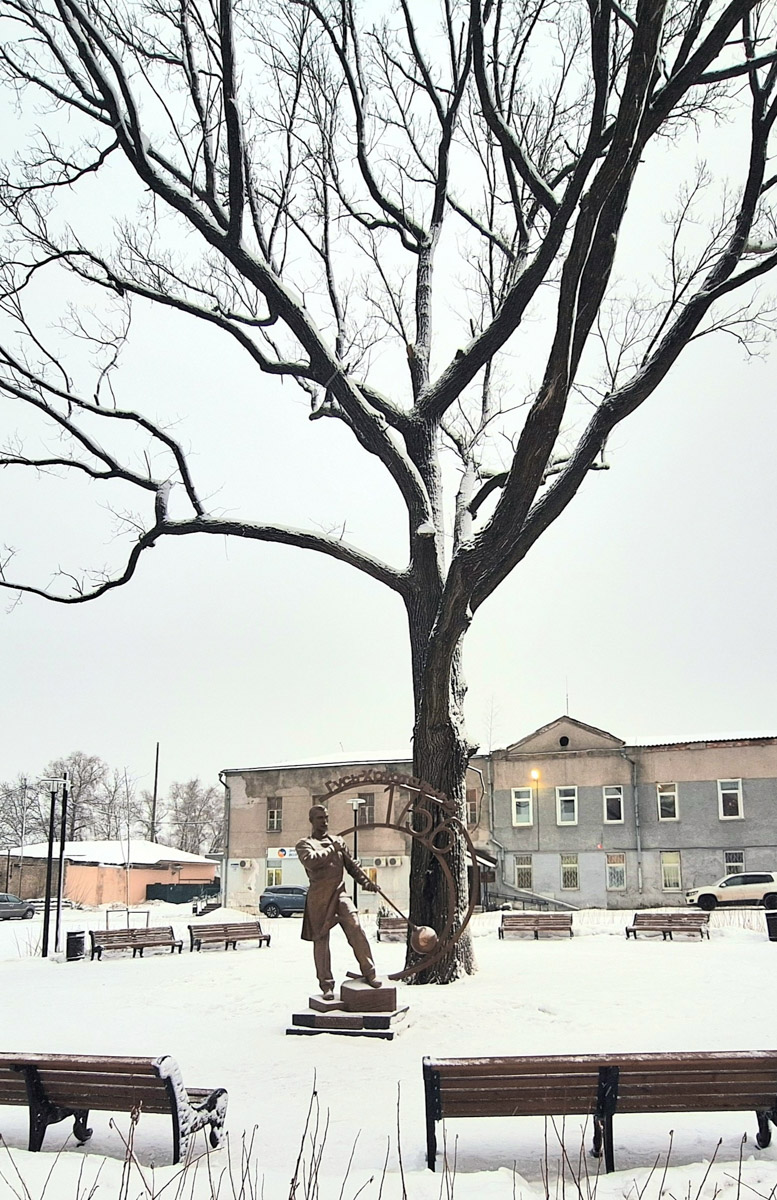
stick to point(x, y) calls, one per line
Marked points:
point(223, 1016)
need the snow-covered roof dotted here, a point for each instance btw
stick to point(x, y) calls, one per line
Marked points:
point(114, 853)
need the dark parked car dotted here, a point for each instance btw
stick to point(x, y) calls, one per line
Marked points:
point(282, 900)
point(12, 906)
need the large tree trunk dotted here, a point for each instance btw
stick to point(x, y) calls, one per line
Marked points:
point(440, 756)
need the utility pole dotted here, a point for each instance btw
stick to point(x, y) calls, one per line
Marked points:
point(153, 798)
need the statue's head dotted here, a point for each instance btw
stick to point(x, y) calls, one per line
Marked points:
point(319, 819)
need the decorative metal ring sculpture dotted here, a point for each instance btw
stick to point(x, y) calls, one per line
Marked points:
point(429, 818)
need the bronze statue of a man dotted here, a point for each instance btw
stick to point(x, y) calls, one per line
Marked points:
point(325, 856)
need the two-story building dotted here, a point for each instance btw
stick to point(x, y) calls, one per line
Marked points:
point(578, 815)
point(267, 815)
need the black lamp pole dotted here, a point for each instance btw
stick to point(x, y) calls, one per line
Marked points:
point(47, 903)
point(61, 871)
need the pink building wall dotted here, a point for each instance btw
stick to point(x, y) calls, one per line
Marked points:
point(86, 884)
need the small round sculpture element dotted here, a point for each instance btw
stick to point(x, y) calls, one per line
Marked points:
point(423, 939)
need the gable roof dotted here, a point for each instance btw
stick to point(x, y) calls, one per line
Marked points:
point(581, 737)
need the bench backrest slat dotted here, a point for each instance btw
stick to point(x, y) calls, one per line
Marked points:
point(539, 918)
point(681, 918)
point(244, 927)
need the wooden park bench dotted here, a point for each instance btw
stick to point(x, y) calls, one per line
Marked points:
point(134, 939)
point(598, 1086)
point(228, 932)
point(669, 923)
point(57, 1086)
point(392, 928)
point(536, 923)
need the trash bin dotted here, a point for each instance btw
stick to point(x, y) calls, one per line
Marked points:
point(75, 944)
point(771, 924)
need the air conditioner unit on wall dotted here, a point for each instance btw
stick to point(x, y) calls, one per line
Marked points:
point(396, 861)
point(379, 862)
point(246, 862)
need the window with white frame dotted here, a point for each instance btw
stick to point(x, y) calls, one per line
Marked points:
point(566, 806)
point(616, 872)
point(274, 814)
point(730, 799)
point(523, 872)
point(274, 876)
point(473, 806)
point(734, 862)
point(570, 872)
point(523, 806)
point(666, 796)
point(671, 877)
point(366, 810)
point(613, 805)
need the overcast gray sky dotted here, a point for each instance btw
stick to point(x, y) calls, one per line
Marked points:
point(649, 604)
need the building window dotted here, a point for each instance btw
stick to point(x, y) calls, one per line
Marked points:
point(523, 872)
point(616, 872)
point(570, 874)
point(671, 879)
point(613, 805)
point(274, 814)
point(730, 799)
point(666, 794)
point(274, 876)
point(523, 806)
point(566, 806)
point(473, 806)
point(733, 862)
point(367, 809)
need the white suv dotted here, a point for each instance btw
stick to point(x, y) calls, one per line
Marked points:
point(750, 887)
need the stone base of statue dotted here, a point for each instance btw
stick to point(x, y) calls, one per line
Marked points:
point(359, 1011)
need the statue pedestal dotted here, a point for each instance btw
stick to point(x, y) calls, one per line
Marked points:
point(360, 1011)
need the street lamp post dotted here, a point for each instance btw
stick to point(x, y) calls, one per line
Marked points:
point(54, 786)
point(356, 804)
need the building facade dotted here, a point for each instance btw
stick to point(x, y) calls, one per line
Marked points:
point(107, 872)
point(570, 813)
point(268, 809)
point(579, 816)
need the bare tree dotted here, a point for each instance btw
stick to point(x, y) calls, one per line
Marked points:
point(304, 178)
point(196, 817)
point(87, 776)
point(114, 811)
point(150, 821)
point(23, 814)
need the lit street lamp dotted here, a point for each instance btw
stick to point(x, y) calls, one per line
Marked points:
point(356, 805)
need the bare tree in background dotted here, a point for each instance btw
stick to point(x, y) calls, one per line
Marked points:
point(87, 776)
point(150, 824)
point(114, 811)
point(304, 176)
point(23, 814)
point(196, 817)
